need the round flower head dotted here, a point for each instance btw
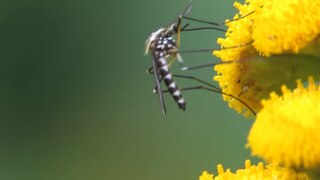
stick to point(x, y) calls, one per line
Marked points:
point(264, 38)
point(287, 129)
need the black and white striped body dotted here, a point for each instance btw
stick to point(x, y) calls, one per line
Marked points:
point(162, 47)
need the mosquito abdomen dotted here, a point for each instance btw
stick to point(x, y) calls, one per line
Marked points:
point(171, 85)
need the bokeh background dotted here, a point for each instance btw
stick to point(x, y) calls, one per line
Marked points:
point(76, 103)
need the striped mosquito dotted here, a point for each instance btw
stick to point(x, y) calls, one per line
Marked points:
point(165, 50)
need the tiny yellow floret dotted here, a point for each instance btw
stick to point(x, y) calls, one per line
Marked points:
point(254, 172)
point(206, 176)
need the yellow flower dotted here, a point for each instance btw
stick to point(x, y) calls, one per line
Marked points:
point(266, 36)
point(253, 172)
point(274, 27)
point(206, 176)
point(287, 129)
point(286, 26)
point(229, 75)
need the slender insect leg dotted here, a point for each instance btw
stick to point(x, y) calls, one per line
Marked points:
point(186, 68)
point(201, 66)
point(203, 28)
point(214, 23)
point(151, 72)
point(157, 81)
point(201, 21)
point(198, 80)
point(213, 89)
point(217, 91)
point(183, 67)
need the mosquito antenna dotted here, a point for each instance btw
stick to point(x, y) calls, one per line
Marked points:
point(186, 10)
point(178, 25)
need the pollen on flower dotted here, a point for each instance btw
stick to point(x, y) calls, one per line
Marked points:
point(286, 26)
point(286, 131)
point(232, 79)
point(273, 27)
point(255, 172)
point(267, 30)
point(238, 35)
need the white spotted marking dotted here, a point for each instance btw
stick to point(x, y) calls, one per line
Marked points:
point(168, 76)
point(160, 47)
point(181, 101)
point(172, 85)
point(177, 93)
point(165, 68)
point(162, 62)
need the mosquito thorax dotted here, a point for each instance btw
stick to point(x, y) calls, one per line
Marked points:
point(149, 45)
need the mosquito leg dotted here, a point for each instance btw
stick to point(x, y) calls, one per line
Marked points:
point(150, 70)
point(213, 89)
point(236, 19)
point(184, 67)
point(198, 80)
point(201, 21)
point(201, 66)
point(205, 65)
point(214, 23)
point(217, 91)
point(203, 28)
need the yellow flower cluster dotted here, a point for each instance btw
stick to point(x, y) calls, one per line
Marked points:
point(253, 172)
point(287, 129)
point(286, 26)
point(265, 30)
point(239, 34)
point(274, 43)
point(274, 27)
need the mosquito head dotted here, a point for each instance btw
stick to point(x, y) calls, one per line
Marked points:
point(172, 29)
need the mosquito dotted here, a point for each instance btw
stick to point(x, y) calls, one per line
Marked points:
point(164, 49)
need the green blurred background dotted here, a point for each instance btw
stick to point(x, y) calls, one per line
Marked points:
point(76, 102)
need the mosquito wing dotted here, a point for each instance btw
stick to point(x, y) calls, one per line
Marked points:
point(157, 80)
